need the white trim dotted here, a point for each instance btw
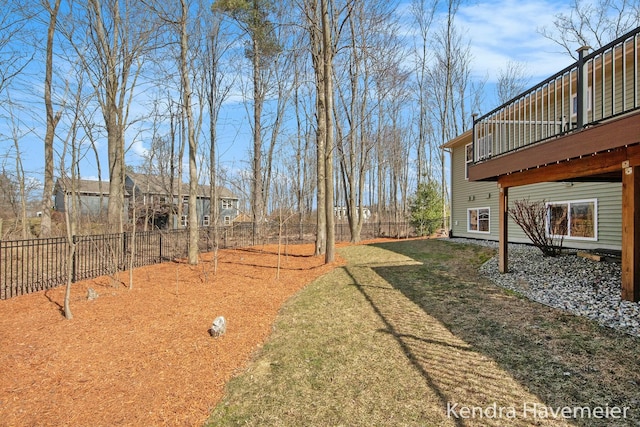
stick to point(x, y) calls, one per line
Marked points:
point(467, 161)
point(569, 203)
point(469, 229)
point(574, 102)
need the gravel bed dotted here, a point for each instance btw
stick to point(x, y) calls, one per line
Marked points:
point(581, 286)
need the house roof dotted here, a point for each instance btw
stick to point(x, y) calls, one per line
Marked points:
point(461, 139)
point(160, 184)
point(84, 186)
point(156, 185)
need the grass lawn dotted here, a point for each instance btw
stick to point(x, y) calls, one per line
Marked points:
point(408, 334)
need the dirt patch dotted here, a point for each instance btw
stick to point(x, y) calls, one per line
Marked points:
point(143, 356)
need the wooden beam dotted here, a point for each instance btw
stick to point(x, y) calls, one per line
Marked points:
point(613, 134)
point(503, 242)
point(595, 164)
point(631, 233)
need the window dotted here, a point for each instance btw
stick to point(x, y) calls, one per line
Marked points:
point(227, 204)
point(574, 219)
point(184, 221)
point(227, 220)
point(468, 159)
point(478, 220)
point(185, 199)
point(574, 102)
point(206, 220)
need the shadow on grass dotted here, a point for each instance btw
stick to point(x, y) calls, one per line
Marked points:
point(562, 360)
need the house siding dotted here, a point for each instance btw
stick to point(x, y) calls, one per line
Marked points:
point(468, 194)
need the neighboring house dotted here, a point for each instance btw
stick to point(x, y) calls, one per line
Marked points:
point(92, 197)
point(154, 202)
point(341, 213)
point(573, 140)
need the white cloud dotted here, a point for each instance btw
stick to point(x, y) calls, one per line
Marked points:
point(137, 147)
point(507, 30)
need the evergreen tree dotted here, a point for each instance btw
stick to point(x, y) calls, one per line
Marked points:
point(426, 208)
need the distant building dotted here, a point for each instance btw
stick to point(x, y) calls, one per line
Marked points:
point(341, 212)
point(157, 200)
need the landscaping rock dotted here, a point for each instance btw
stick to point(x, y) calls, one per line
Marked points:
point(579, 285)
point(218, 327)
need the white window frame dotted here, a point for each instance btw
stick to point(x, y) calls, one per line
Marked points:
point(227, 220)
point(468, 149)
point(471, 230)
point(569, 203)
point(206, 220)
point(184, 221)
point(574, 102)
point(227, 203)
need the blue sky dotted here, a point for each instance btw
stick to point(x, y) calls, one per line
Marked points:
point(507, 30)
point(498, 32)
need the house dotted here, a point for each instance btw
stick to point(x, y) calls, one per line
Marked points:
point(92, 197)
point(157, 200)
point(164, 203)
point(592, 209)
point(572, 140)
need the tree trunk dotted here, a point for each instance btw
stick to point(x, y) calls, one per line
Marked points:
point(52, 121)
point(327, 48)
point(193, 170)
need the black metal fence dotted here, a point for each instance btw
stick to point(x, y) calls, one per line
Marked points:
point(37, 264)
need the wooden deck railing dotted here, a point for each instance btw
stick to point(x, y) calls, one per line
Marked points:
point(598, 87)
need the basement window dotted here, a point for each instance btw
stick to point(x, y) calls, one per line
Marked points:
point(576, 219)
point(478, 220)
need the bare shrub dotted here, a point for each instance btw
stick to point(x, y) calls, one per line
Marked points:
point(532, 217)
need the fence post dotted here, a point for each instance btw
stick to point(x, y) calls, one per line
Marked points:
point(74, 260)
point(124, 249)
point(160, 247)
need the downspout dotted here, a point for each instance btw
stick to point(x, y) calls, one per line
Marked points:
point(450, 228)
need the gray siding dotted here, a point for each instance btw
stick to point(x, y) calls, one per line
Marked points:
point(466, 194)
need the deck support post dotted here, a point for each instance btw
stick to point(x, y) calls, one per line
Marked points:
point(503, 242)
point(630, 232)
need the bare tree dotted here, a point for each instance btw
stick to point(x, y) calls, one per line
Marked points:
point(592, 23)
point(193, 147)
point(111, 37)
point(512, 81)
point(253, 17)
point(13, 60)
point(216, 87)
point(423, 12)
point(449, 87)
point(52, 121)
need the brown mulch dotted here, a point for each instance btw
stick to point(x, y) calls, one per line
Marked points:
point(143, 356)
